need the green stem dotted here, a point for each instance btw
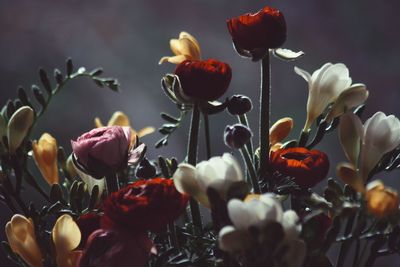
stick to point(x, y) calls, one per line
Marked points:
point(357, 252)
point(243, 120)
point(192, 159)
point(344, 247)
point(251, 170)
point(112, 183)
point(207, 134)
point(265, 99)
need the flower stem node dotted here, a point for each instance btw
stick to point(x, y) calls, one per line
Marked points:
point(239, 105)
point(237, 135)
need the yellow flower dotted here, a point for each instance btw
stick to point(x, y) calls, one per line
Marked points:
point(66, 238)
point(280, 130)
point(381, 201)
point(120, 119)
point(21, 236)
point(45, 154)
point(186, 47)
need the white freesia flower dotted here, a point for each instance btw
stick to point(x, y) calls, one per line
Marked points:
point(21, 236)
point(217, 172)
point(325, 86)
point(66, 238)
point(365, 145)
point(257, 213)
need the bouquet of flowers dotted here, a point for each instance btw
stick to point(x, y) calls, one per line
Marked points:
point(108, 204)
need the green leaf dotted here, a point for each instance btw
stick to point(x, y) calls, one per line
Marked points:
point(39, 96)
point(169, 118)
point(23, 96)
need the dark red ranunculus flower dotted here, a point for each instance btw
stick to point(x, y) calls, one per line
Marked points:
point(88, 223)
point(108, 248)
point(307, 167)
point(254, 34)
point(204, 80)
point(143, 205)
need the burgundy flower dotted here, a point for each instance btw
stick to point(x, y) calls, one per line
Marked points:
point(143, 205)
point(104, 150)
point(107, 248)
point(204, 80)
point(307, 167)
point(88, 223)
point(254, 34)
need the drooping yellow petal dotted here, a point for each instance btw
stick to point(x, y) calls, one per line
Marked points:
point(145, 131)
point(119, 119)
point(186, 47)
point(280, 130)
point(98, 123)
point(66, 237)
point(20, 233)
point(348, 173)
point(381, 201)
point(45, 155)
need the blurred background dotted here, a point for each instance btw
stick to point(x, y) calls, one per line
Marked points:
point(127, 39)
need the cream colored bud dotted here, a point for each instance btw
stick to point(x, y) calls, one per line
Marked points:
point(45, 154)
point(349, 175)
point(18, 126)
point(280, 130)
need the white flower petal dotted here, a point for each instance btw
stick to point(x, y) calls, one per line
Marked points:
point(233, 171)
point(291, 225)
point(306, 76)
point(350, 129)
point(185, 179)
point(233, 240)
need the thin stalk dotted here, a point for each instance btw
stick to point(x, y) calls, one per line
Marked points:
point(112, 183)
point(265, 100)
point(356, 253)
point(192, 159)
point(243, 120)
point(173, 239)
point(250, 167)
point(344, 247)
point(207, 134)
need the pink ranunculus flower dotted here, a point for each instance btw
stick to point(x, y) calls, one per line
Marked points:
point(103, 151)
point(108, 248)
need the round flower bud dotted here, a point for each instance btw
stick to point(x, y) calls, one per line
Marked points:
point(103, 151)
point(145, 169)
point(254, 34)
point(307, 167)
point(237, 135)
point(381, 200)
point(239, 105)
point(204, 80)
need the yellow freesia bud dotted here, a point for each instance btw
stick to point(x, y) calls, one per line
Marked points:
point(45, 154)
point(21, 236)
point(186, 47)
point(349, 175)
point(381, 201)
point(280, 130)
point(66, 238)
point(121, 119)
point(18, 126)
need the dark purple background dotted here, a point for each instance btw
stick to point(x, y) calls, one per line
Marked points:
point(127, 38)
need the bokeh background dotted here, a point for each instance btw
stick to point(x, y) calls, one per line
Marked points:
point(127, 39)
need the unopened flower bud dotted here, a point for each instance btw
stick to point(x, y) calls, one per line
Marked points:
point(145, 169)
point(381, 201)
point(237, 135)
point(18, 126)
point(239, 105)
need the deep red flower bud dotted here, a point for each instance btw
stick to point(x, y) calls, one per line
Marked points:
point(88, 223)
point(239, 105)
point(237, 135)
point(307, 167)
point(254, 34)
point(204, 80)
point(143, 205)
